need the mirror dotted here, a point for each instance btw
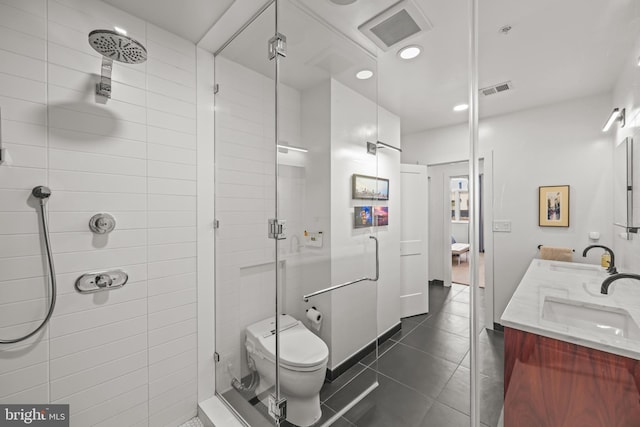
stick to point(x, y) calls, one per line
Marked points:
point(623, 183)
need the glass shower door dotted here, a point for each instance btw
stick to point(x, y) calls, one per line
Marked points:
point(245, 155)
point(328, 202)
point(298, 209)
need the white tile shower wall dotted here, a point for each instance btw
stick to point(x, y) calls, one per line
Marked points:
point(127, 356)
point(24, 378)
point(352, 253)
point(245, 200)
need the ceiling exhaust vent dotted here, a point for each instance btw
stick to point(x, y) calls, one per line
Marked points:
point(500, 87)
point(395, 24)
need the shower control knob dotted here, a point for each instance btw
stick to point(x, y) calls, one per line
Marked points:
point(102, 223)
point(103, 280)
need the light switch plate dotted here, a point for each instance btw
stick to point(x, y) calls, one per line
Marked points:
point(502, 226)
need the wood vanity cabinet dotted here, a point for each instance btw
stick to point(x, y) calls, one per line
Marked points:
point(553, 383)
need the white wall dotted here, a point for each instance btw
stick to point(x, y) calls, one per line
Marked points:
point(354, 120)
point(389, 304)
point(626, 95)
point(335, 122)
point(334, 136)
point(312, 271)
point(460, 231)
point(128, 354)
point(552, 145)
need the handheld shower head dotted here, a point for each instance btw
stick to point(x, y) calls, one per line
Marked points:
point(41, 192)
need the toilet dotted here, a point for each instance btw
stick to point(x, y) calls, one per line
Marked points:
point(303, 363)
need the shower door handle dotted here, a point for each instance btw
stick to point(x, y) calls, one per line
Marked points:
point(305, 298)
point(377, 260)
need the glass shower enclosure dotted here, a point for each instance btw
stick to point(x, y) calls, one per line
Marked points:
point(298, 203)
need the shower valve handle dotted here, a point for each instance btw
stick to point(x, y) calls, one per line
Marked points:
point(103, 280)
point(102, 223)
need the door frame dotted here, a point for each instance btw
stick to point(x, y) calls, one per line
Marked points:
point(487, 208)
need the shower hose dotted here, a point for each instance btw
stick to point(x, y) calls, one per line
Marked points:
point(42, 193)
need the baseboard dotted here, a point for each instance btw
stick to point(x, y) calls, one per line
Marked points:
point(436, 282)
point(334, 373)
point(415, 315)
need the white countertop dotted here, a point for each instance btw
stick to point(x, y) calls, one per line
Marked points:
point(579, 285)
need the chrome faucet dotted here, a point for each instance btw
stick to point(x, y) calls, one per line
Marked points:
point(612, 263)
point(604, 289)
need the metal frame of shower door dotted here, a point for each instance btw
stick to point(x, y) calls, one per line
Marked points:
point(244, 27)
point(474, 212)
point(279, 404)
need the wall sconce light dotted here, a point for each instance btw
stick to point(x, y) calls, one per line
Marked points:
point(372, 148)
point(617, 115)
point(285, 148)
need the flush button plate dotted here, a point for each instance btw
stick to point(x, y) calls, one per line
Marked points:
point(101, 281)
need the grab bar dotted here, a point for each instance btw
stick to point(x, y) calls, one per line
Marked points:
point(353, 282)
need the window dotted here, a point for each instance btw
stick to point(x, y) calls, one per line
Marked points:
point(459, 199)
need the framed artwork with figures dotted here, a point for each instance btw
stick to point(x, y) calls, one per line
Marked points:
point(553, 206)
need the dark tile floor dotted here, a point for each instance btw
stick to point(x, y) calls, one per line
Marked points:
point(423, 371)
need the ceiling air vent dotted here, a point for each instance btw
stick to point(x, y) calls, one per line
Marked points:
point(500, 87)
point(397, 23)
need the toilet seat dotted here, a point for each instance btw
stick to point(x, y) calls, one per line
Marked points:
point(300, 349)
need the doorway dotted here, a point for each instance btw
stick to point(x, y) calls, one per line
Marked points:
point(459, 223)
point(440, 257)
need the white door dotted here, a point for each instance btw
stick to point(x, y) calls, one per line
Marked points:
point(414, 286)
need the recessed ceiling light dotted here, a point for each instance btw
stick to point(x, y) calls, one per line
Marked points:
point(364, 74)
point(461, 107)
point(409, 52)
point(342, 2)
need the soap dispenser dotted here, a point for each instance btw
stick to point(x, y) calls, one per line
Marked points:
point(605, 260)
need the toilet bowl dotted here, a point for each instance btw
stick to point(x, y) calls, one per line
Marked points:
point(303, 362)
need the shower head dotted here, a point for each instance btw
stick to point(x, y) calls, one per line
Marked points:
point(41, 192)
point(113, 45)
point(116, 46)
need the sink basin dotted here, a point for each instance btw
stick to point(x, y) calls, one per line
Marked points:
point(597, 319)
point(575, 268)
